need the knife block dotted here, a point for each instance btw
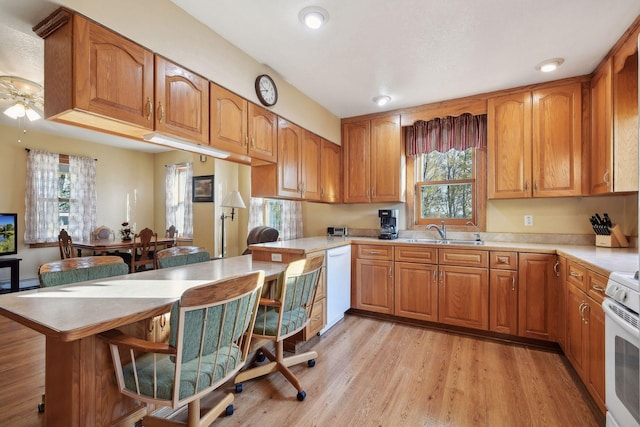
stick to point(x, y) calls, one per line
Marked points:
point(615, 240)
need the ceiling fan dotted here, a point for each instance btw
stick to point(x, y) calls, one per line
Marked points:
point(25, 98)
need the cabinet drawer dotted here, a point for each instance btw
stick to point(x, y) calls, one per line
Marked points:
point(375, 252)
point(462, 257)
point(503, 260)
point(318, 318)
point(577, 275)
point(596, 285)
point(416, 254)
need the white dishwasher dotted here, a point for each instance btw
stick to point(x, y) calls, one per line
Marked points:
point(338, 284)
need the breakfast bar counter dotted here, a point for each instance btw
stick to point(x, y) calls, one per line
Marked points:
point(79, 383)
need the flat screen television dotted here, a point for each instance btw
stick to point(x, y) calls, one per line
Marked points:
point(8, 233)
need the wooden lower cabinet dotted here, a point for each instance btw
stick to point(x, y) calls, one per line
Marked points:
point(575, 348)
point(537, 296)
point(595, 351)
point(503, 301)
point(373, 285)
point(416, 291)
point(463, 296)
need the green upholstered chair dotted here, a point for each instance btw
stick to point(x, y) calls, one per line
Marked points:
point(286, 315)
point(72, 270)
point(211, 327)
point(181, 255)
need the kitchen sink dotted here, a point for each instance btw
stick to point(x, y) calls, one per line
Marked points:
point(443, 242)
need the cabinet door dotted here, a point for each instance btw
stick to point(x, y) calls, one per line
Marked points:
point(536, 296)
point(601, 131)
point(228, 120)
point(509, 146)
point(595, 351)
point(625, 118)
point(575, 347)
point(310, 163)
point(386, 160)
point(463, 296)
point(355, 152)
point(289, 170)
point(374, 285)
point(113, 76)
point(331, 172)
point(263, 134)
point(182, 99)
point(557, 141)
point(503, 301)
point(562, 303)
point(416, 291)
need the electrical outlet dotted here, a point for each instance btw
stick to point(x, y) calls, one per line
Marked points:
point(276, 257)
point(528, 220)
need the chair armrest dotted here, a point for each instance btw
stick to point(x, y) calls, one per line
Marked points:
point(270, 302)
point(116, 337)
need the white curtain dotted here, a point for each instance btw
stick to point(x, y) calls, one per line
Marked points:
point(83, 198)
point(256, 212)
point(291, 220)
point(41, 198)
point(179, 211)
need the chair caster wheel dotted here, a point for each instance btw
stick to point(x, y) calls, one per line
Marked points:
point(260, 357)
point(229, 410)
point(301, 395)
point(311, 363)
point(238, 388)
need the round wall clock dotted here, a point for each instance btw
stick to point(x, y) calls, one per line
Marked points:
point(266, 90)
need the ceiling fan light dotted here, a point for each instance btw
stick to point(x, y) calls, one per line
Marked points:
point(32, 114)
point(16, 110)
point(313, 17)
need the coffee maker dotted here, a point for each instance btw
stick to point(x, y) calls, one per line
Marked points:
point(388, 224)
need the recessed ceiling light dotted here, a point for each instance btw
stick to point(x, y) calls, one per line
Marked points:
point(313, 17)
point(381, 100)
point(549, 65)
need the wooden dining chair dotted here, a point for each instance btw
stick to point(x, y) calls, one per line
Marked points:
point(66, 245)
point(286, 315)
point(80, 269)
point(144, 248)
point(103, 233)
point(210, 333)
point(171, 232)
point(181, 255)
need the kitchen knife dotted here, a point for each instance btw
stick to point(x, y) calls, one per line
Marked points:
point(607, 220)
point(594, 224)
point(601, 225)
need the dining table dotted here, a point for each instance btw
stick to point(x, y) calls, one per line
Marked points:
point(102, 246)
point(80, 388)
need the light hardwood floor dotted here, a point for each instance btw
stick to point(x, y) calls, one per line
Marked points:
point(373, 373)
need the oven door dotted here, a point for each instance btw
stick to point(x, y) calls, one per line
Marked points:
point(622, 365)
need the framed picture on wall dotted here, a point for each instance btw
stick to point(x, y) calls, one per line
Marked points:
point(202, 188)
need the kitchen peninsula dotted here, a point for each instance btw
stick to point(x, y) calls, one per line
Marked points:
point(79, 387)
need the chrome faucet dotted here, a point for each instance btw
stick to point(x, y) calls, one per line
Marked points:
point(476, 235)
point(442, 230)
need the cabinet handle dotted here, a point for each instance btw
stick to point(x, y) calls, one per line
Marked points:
point(373, 192)
point(435, 274)
point(374, 252)
point(246, 140)
point(503, 260)
point(321, 191)
point(526, 186)
point(597, 288)
point(556, 268)
point(605, 177)
point(583, 307)
point(149, 108)
point(513, 283)
point(161, 107)
point(390, 271)
point(535, 186)
point(574, 274)
point(253, 143)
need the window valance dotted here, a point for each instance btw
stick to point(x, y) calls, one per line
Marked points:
point(443, 134)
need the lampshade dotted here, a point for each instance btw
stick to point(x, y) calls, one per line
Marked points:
point(233, 200)
point(19, 109)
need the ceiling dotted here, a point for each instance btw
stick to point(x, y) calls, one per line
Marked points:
point(416, 51)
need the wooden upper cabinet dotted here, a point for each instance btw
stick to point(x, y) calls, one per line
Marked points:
point(289, 168)
point(557, 141)
point(601, 165)
point(263, 134)
point(534, 143)
point(182, 102)
point(96, 78)
point(331, 172)
point(373, 159)
point(229, 119)
point(311, 163)
point(509, 146)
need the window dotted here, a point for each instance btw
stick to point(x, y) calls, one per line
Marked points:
point(446, 186)
point(179, 212)
point(283, 215)
point(64, 192)
point(273, 214)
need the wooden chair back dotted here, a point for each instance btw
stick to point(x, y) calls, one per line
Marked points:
point(144, 248)
point(181, 255)
point(80, 269)
point(209, 341)
point(171, 232)
point(66, 245)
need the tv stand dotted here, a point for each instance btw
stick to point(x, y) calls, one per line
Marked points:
point(14, 265)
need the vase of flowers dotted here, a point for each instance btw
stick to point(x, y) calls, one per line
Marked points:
point(125, 231)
